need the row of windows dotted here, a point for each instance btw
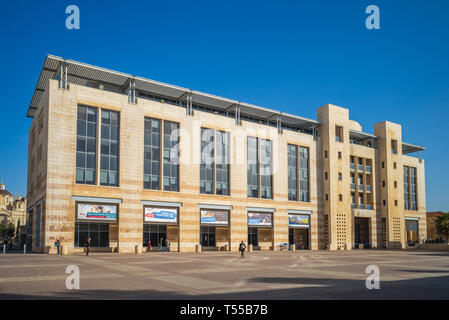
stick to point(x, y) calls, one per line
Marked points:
point(161, 157)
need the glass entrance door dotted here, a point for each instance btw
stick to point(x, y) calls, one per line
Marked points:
point(291, 236)
point(252, 237)
point(208, 238)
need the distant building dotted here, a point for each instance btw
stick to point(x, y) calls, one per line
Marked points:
point(431, 229)
point(12, 209)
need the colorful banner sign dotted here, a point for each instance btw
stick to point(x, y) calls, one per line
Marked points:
point(260, 219)
point(215, 217)
point(296, 220)
point(87, 211)
point(161, 215)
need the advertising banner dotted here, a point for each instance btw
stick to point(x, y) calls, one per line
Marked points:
point(161, 215)
point(296, 220)
point(104, 212)
point(215, 217)
point(260, 219)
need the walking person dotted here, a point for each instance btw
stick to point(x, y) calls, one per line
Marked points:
point(167, 245)
point(149, 246)
point(242, 248)
point(57, 245)
point(160, 245)
point(88, 246)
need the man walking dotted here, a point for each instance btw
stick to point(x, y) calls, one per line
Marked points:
point(242, 248)
point(87, 246)
point(149, 246)
point(57, 245)
point(167, 245)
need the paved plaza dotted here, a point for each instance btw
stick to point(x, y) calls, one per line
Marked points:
point(405, 274)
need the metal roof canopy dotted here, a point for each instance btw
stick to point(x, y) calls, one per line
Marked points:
point(361, 135)
point(81, 74)
point(410, 148)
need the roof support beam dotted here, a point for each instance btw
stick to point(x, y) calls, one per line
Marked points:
point(63, 78)
point(314, 131)
point(189, 104)
point(279, 123)
point(132, 92)
point(238, 121)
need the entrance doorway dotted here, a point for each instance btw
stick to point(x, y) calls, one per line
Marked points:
point(361, 232)
point(299, 237)
point(411, 227)
point(208, 236)
point(98, 232)
point(156, 233)
point(252, 237)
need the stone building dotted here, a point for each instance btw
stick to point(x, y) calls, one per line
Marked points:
point(12, 209)
point(124, 160)
point(431, 228)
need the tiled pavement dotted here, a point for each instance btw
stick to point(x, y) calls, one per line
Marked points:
point(406, 274)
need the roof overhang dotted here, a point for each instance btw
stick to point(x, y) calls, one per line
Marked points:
point(361, 135)
point(410, 148)
point(81, 74)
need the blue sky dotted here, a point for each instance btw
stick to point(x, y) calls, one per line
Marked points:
point(293, 56)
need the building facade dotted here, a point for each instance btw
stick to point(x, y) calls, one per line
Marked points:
point(12, 208)
point(127, 160)
point(432, 233)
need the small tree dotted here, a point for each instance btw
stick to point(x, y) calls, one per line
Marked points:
point(442, 225)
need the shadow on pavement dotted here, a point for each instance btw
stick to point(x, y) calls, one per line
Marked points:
point(313, 288)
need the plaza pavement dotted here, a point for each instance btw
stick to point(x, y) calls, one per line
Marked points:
point(404, 274)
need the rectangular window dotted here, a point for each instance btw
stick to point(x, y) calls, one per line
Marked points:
point(406, 189)
point(339, 133)
point(109, 151)
point(394, 146)
point(37, 242)
point(86, 145)
point(171, 156)
point(152, 154)
point(222, 163)
point(292, 172)
point(207, 161)
point(253, 167)
point(413, 193)
point(98, 232)
point(266, 169)
point(304, 174)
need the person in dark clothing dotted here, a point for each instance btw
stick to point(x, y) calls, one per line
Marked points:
point(87, 246)
point(242, 248)
point(57, 245)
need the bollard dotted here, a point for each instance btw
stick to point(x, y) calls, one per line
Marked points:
point(250, 248)
point(138, 249)
point(293, 247)
point(25, 248)
point(198, 248)
point(64, 250)
point(4, 248)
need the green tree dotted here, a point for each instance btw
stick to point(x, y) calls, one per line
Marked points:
point(442, 225)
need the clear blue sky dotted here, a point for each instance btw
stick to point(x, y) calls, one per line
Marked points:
point(293, 56)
